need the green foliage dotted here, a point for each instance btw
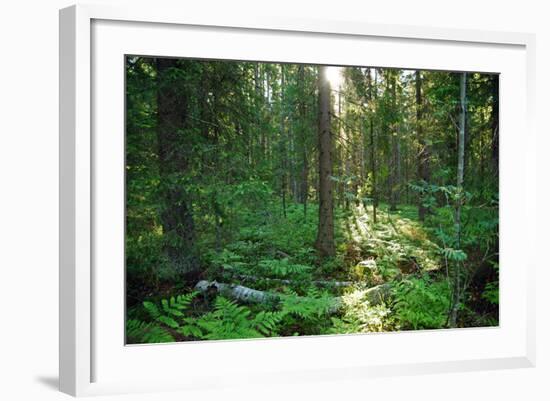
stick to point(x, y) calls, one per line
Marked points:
point(169, 310)
point(491, 293)
point(253, 191)
point(455, 255)
point(231, 321)
point(401, 244)
point(295, 234)
point(282, 268)
point(310, 307)
point(427, 193)
point(241, 162)
point(360, 316)
point(420, 303)
point(227, 259)
point(491, 290)
point(138, 332)
point(227, 320)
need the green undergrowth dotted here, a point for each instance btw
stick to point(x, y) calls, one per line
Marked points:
point(274, 253)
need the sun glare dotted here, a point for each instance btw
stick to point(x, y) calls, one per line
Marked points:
point(334, 76)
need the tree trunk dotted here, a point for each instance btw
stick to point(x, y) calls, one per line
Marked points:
point(176, 216)
point(303, 129)
point(458, 208)
point(495, 123)
point(325, 232)
point(394, 168)
point(372, 97)
point(340, 161)
point(423, 154)
point(374, 194)
point(282, 139)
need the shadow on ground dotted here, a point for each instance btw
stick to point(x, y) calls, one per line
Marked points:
point(52, 382)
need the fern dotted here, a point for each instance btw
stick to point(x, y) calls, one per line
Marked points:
point(170, 310)
point(139, 332)
point(227, 259)
point(283, 269)
point(491, 293)
point(359, 316)
point(227, 320)
point(232, 321)
point(455, 255)
point(314, 305)
point(421, 304)
point(266, 322)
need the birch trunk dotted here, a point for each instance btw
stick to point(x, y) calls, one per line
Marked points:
point(375, 295)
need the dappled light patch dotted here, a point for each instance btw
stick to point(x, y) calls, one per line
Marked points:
point(360, 316)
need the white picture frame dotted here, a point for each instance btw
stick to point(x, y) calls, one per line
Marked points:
point(88, 357)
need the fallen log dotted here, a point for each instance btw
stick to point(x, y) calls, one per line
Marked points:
point(375, 295)
point(236, 291)
point(282, 254)
point(378, 294)
point(323, 283)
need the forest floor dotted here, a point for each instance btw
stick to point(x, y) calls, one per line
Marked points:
point(268, 281)
point(368, 253)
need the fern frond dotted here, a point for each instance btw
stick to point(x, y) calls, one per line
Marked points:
point(139, 332)
point(170, 310)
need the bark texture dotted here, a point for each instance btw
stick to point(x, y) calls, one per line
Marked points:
point(495, 122)
point(395, 157)
point(325, 233)
point(423, 152)
point(176, 216)
point(373, 97)
point(458, 208)
point(375, 295)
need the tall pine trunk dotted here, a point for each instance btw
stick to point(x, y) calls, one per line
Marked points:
point(372, 90)
point(394, 165)
point(494, 123)
point(304, 186)
point(176, 215)
point(282, 142)
point(456, 295)
point(424, 152)
point(325, 232)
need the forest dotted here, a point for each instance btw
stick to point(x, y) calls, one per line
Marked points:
point(272, 199)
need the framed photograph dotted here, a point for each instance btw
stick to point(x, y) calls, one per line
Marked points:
point(281, 200)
